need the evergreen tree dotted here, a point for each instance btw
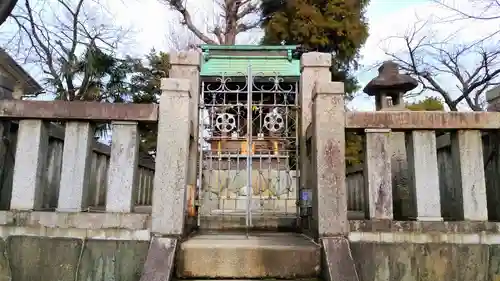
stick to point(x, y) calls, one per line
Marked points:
point(145, 88)
point(333, 26)
point(427, 104)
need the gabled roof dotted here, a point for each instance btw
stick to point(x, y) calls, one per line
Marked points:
point(234, 60)
point(17, 73)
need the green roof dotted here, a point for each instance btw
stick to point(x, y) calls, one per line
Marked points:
point(235, 60)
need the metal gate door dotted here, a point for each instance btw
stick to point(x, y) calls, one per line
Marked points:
point(248, 139)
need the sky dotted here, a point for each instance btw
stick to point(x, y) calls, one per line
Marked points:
point(385, 17)
point(394, 18)
point(154, 26)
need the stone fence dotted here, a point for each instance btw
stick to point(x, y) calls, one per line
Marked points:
point(51, 174)
point(75, 192)
point(463, 195)
point(355, 180)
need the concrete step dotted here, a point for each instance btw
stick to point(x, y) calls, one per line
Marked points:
point(260, 255)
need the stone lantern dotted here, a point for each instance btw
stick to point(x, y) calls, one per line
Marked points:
point(390, 84)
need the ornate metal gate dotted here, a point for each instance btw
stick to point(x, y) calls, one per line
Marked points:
point(249, 151)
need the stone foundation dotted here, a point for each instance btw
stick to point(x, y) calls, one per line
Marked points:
point(41, 246)
point(434, 251)
point(27, 258)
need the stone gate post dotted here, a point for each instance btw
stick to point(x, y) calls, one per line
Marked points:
point(328, 146)
point(186, 65)
point(171, 168)
point(315, 68)
point(330, 193)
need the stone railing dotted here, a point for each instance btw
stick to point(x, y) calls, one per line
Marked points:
point(74, 193)
point(403, 205)
point(100, 159)
point(32, 152)
point(466, 197)
point(428, 201)
point(52, 172)
point(446, 176)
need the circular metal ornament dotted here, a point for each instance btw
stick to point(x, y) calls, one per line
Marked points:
point(274, 122)
point(225, 122)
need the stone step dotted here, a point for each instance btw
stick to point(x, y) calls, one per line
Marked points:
point(261, 279)
point(260, 255)
point(237, 221)
point(260, 221)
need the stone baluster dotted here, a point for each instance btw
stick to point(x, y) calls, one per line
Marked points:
point(330, 194)
point(31, 155)
point(171, 169)
point(468, 161)
point(377, 174)
point(75, 170)
point(424, 174)
point(123, 167)
point(315, 68)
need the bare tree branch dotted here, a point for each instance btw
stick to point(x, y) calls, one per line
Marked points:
point(180, 38)
point(489, 9)
point(234, 19)
point(64, 38)
point(436, 63)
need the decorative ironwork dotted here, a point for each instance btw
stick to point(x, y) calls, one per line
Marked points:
point(249, 137)
point(225, 122)
point(274, 122)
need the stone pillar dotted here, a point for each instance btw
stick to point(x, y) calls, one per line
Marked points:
point(330, 194)
point(467, 155)
point(170, 180)
point(186, 65)
point(389, 83)
point(123, 167)
point(403, 195)
point(315, 68)
point(377, 174)
point(75, 170)
point(31, 155)
point(424, 174)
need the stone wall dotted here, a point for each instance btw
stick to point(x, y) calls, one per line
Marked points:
point(426, 262)
point(73, 246)
point(425, 251)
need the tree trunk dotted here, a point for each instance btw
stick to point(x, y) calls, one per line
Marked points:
point(6, 7)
